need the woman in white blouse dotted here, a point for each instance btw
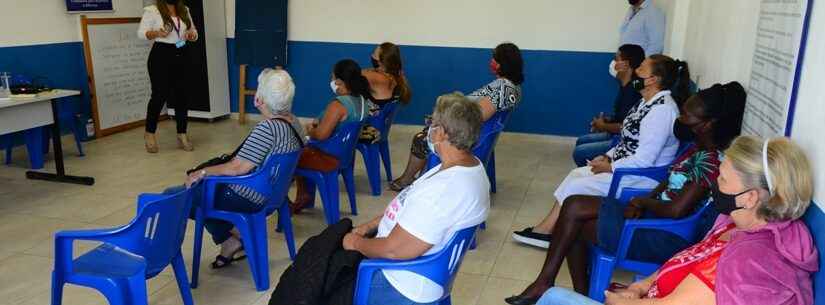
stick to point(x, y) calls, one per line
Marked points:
point(646, 141)
point(169, 24)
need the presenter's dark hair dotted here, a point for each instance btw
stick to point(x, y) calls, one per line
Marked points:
point(180, 9)
point(349, 72)
point(635, 54)
point(511, 66)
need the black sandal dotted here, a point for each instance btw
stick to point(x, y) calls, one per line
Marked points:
point(222, 261)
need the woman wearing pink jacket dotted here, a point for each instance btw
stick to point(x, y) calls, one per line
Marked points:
point(758, 252)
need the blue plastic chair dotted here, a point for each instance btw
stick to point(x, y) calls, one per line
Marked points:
point(129, 255)
point(441, 267)
point(484, 149)
point(272, 181)
point(371, 152)
point(341, 145)
point(34, 145)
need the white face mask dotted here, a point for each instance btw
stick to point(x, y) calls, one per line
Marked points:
point(430, 143)
point(333, 86)
point(612, 69)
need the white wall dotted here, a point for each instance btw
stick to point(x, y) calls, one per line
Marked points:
point(580, 25)
point(46, 21)
point(720, 40)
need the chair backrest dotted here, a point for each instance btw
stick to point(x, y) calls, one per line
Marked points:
point(342, 143)
point(273, 178)
point(443, 266)
point(490, 131)
point(160, 228)
point(384, 119)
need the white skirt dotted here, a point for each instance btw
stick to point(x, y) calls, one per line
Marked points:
point(582, 181)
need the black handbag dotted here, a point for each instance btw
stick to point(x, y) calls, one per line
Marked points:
point(225, 158)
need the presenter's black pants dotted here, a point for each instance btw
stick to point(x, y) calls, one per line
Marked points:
point(167, 73)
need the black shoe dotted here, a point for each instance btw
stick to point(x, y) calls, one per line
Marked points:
point(520, 300)
point(527, 236)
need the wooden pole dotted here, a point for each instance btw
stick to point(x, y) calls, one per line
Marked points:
point(242, 95)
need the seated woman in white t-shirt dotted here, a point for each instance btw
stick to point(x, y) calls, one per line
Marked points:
point(423, 217)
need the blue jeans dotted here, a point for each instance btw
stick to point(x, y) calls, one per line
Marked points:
point(225, 200)
point(562, 296)
point(590, 146)
point(382, 293)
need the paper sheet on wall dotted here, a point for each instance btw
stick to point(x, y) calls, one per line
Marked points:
point(775, 59)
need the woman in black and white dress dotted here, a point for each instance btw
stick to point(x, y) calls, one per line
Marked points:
point(647, 140)
point(169, 25)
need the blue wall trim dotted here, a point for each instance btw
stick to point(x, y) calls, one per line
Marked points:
point(815, 219)
point(57, 65)
point(562, 92)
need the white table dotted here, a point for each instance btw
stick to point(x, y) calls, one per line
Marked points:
point(21, 113)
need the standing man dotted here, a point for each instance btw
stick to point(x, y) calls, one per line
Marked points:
point(645, 26)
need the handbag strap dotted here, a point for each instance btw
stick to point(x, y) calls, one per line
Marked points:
point(294, 132)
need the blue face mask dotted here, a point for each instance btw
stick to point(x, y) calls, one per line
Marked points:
point(430, 143)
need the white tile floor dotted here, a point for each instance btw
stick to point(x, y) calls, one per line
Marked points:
point(529, 167)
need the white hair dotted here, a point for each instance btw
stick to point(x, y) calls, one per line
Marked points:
point(276, 90)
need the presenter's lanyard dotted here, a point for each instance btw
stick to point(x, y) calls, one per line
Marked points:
point(176, 26)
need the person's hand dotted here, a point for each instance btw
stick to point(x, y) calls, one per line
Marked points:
point(628, 293)
point(598, 123)
point(162, 33)
point(361, 230)
point(612, 298)
point(191, 35)
point(349, 241)
point(194, 177)
point(635, 208)
point(600, 165)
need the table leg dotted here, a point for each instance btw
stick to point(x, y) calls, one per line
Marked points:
point(60, 176)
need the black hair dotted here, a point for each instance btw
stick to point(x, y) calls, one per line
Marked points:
point(635, 54)
point(511, 66)
point(674, 76)
point(349, 72)
point(725, 106)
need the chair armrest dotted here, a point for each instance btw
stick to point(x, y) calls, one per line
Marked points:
point(63, 241)
point(368, 268)
point(146, 198)
point(655, 173)
point(681, 227)
point(210, 184)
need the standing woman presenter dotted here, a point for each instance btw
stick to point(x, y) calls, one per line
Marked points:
point(169, 25)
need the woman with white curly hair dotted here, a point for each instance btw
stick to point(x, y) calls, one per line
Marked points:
point(279, 133)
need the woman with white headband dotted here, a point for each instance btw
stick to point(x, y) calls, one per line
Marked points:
point(759, 251)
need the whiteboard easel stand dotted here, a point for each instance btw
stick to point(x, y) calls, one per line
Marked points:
point(242, 94)
point(84, 24)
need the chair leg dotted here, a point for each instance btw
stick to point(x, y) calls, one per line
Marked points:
point(285, 221)
point(7, 143)
point(196, 252)
point(34, 144)
point(138, 293)
point(77, 132)
point(329, 195)
point(349, 184)
point(57, 289)
point(384, 150)
point(601, 271)
point(491, 171)
point(253, 235)
point(373, 166)
point(179, 267)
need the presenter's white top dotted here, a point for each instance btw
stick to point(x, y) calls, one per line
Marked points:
point(433, 209)
point(152, 21)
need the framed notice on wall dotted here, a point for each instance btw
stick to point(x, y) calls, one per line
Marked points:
point(79, 6)
point(777, 63)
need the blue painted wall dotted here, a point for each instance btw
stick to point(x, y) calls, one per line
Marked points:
point(58, 65)
point(562, 91)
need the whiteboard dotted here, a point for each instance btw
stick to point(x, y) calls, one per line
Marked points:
point(780, 37)
point(116, 61)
